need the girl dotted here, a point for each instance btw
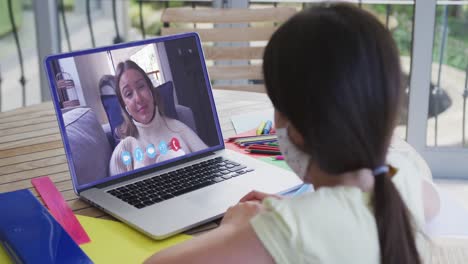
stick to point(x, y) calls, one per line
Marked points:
point(334, 77)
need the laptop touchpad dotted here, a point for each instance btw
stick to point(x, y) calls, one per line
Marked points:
point(218, 198)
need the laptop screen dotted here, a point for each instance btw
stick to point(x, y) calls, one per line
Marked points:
point(132, 107)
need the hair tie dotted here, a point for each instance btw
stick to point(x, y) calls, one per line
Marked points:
point(381, 170)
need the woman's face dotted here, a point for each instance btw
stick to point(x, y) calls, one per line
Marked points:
point(137, 96)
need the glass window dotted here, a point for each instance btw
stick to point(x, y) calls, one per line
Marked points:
point(13, 92)
point(447, 124)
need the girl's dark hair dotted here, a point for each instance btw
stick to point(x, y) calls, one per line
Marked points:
point(334, 72)
point(128, 128)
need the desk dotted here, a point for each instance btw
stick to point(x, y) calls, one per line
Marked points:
point(31, 145)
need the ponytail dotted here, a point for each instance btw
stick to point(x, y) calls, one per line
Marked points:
point(395, 229)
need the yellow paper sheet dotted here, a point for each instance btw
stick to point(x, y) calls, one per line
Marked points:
point(4, 258)
point(115, 242)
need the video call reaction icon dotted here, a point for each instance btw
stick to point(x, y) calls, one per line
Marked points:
point(138, 154)
point(174, 144)
point(126, 158)
point(162, 147)
point(151, 151)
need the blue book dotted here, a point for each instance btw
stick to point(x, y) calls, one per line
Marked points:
point(30, 234)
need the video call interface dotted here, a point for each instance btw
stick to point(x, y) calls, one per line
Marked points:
point(134, 107)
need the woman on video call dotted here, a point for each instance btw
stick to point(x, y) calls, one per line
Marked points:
point(147, 136)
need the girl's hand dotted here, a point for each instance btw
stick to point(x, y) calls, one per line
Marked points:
point(258, 196)
point(241, 213)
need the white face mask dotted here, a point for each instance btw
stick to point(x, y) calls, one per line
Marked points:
point(296, 159)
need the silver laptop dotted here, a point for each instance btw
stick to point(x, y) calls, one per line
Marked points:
point(142, 136)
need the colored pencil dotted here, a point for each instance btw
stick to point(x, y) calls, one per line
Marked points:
point(266, 152)
point(258, 146)
point(303, 189)
point(257, 138)
point(261, 127)
point(234, 138)
point(246, 137)
point(262, 142)
point(267, 128)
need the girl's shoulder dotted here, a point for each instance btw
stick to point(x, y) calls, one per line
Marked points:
point(318, 223)
point(324, 202)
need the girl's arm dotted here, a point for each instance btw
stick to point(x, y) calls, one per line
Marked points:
point(233, 242)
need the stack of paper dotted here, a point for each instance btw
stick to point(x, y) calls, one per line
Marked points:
point(246, 122)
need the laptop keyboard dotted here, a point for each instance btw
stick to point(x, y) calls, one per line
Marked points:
point(166, 186)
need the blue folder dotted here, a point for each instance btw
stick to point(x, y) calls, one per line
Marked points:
point(30, 234)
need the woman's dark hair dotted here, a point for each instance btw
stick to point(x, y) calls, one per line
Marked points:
point(128, 128)
point(334, 72)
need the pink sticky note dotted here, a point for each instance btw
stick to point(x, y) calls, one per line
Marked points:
point(59, 208)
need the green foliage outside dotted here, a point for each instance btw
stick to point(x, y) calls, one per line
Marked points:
point(5, 24)
point(67, 4)
point(151, 15)
point(456, 47)
point(18, 6)
point(455, 53)
point(456, 50)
